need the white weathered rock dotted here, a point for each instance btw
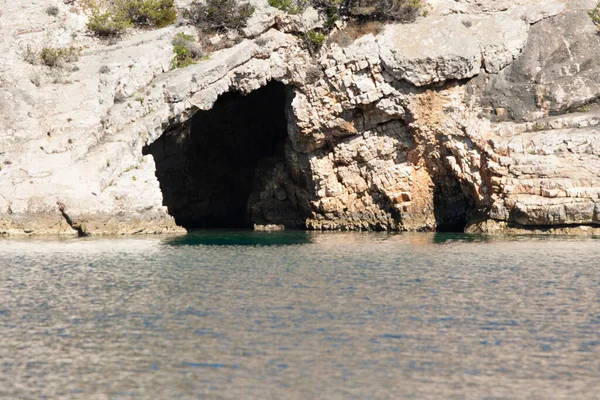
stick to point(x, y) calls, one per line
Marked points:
point(367, 150)
point(503, 35)
point(311, 19)
point(431, 50)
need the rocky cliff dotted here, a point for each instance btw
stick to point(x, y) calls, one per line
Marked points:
point(480, 116)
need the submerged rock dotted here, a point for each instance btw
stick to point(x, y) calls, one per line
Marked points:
point(478, 116)
point(268, 228)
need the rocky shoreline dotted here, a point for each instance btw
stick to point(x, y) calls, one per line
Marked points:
point(479, 117)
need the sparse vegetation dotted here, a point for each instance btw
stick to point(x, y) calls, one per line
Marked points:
point(363, 16)
point(314, 40)
point(113, 18)
point(107, 24)
point(151, 13)
point(344, 37)
point(595, 14)
point(394, 10)
point(104, 69)
point(289, 6)
point(31, 56)
point(381, 10)
point(332, 14)
point(537, 127)
point(186, 50)
point(219, 15)
point(52, 11)
point(54, 57)
point(59, 56)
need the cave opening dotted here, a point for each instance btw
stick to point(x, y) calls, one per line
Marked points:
point(207, 167)
point(452, 208)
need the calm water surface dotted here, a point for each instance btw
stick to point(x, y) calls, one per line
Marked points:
point(227, 315)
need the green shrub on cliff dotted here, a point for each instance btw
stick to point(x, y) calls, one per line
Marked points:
point(113, 18)
point(361, 15)
point(59, 56)
point(381, 10)
point(107, 23)
point(289, 6)
point(186, 50)
point(219, 15)
point(153, 13)
point(595, 14)
point(392, 10)
point(314, 40)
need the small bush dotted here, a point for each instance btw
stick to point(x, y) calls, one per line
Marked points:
point(332, 14)
point(52, 11)
point(155, 13)
point(107, 24)
point(333, 10)
point(31, 56)
point(58, 56)
point(289, 6)
point(595, 14)
point(396, 10)
point(220, 15)
point(314, 40)
point(358, 12)
point(186, 51)
point(323, 4)
point(114, 19)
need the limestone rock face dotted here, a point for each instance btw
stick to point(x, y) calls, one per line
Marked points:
point(431, 50)
point(557, 71)
point(480, 116)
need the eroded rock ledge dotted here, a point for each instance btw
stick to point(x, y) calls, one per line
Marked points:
point(479, 117)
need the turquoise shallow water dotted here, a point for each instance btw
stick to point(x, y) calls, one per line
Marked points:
point(236, 315)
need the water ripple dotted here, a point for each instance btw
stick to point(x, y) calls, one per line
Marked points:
point(300, 315)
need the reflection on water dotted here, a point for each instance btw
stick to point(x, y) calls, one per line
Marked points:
point(300, 315)
point(239, 238)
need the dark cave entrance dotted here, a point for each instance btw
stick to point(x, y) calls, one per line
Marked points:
point(206, 168)
point(452, 208)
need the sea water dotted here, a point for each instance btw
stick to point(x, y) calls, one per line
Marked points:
point(295, 315)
